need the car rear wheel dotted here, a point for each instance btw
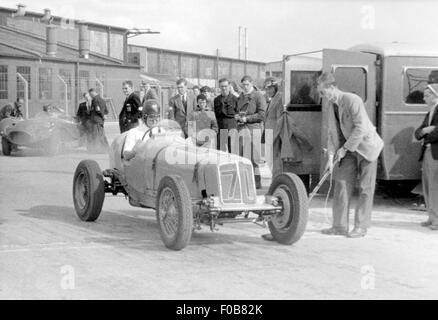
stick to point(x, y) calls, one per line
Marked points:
point(288, 226)
point(88, 190)
point(6, 147)
point(174, 212)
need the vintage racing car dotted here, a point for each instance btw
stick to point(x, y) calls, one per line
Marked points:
point(190, 186)
point(48, 130)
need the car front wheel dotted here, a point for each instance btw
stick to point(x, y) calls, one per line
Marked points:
point(88, 190)
point(174, 212)
point(288, 226)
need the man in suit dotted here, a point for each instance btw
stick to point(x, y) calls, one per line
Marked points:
point(131, 110)
point(98, 112)
point(181, 105)
point(225, 106)
point(148, 92)
point(250, 113)
point(428, 133)
point(83, 115)
point(353, 140)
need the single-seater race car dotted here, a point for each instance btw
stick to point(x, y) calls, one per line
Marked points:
point(48, 131)
point(190, 186)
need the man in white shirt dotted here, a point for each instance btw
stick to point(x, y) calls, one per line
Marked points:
point(150, 116)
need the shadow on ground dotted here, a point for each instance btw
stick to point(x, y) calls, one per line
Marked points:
point(135, 228)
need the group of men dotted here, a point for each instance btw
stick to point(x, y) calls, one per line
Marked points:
point(92, 114)
point(12, 110)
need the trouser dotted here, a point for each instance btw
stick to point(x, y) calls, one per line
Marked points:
point(273, 159)
point(352, 167)
point(430, 185)
point(250, 148)
point(96, 138)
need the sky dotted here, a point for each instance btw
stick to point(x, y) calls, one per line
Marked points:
point(274, 28)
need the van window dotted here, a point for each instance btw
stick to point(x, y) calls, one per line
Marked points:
point(415, 81)
point(303, 87)
point(352, 79)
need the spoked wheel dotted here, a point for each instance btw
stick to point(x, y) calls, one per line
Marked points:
point(88, 190)
point(6, 147)
point(288, 226)
point(174, 212)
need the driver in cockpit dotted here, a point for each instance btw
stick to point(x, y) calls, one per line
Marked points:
point(150, 117)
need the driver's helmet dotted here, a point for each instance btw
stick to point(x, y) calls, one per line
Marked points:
point(151, 110)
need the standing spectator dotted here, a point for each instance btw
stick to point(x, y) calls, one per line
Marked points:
point(356, 144)
point(17, 113)
point(225, 106)
point(202, 124)
point(83, 115)
point(181, 105)
point(273, 113)
point(196, 91)
point(428, 132)
point(208, 93)
point(149, 93)
point(98, 112)
point(234, 89)
point(130, 113)
point(251, 106)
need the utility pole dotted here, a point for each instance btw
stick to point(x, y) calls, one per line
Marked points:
point(246, 44)
point(239, 37)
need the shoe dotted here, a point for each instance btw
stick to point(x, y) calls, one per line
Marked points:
point(426, 223)
point(268, 237)
point(433, 226)
point(335, 231)
point(357, 233)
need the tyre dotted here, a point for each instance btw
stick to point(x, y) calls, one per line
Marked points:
point(174, 212)
point(288, 226)
point(6, 147)
point(88, 190)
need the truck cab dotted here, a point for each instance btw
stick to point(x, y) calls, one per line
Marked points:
point(390, 78)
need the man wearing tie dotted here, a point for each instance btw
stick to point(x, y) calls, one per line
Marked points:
point(181, 105)
point(353, 141)
point(131, 110)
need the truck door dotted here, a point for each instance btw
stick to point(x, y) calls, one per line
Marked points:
point(354, 72)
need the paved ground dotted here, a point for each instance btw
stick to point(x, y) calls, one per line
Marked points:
point(47, 252)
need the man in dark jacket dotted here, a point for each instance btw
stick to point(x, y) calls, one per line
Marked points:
point(428, 133)
point(83, 115)
point(251, 106)
point(131, 110)
point(225, 106)
point(148, 92)
point(98, 111)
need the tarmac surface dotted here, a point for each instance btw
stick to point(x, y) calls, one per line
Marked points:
point(46, 252)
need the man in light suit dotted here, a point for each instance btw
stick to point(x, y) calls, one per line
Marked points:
point(353, 140)
point(181, 105)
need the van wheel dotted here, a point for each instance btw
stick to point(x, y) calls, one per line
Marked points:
point(88, 190)
point(288, 226)
point(174, 212)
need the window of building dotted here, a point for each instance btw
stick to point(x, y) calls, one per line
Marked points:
point(224, 69)
point(207, 68)
point(169, 64)
point(152, 61)
point(415, 81)
point(84, 81)
point(65, 74)
point(189, 67)
point(117, 46)
point(3, 82)
point(237, 71)
point(352, 79)
point(303, 89)
point(25, 72)
point(99, 42)
point(45, 83)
